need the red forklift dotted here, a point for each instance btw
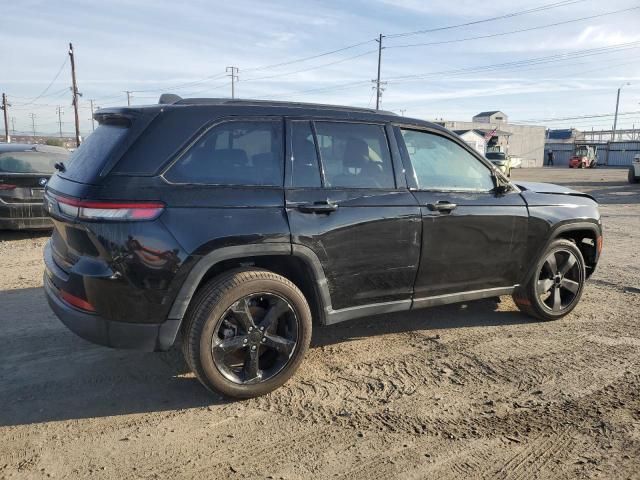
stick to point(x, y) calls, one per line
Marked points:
point(584, 156)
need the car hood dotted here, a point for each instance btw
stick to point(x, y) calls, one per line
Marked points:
point(552, 189)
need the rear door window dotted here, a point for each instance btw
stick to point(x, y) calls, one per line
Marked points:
point(303, 164)
point(354, 155)
point(87, 161)
point(233, 153)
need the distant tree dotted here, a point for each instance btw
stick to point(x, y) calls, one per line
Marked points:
point(54, 142)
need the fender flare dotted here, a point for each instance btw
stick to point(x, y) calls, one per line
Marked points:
point(554, 234)
point(205, 263)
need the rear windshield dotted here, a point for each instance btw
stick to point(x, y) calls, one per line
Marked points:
point(495, 156)
point(87, 161)
point(30, 162)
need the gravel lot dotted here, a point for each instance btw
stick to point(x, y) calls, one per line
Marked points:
point(471, 391)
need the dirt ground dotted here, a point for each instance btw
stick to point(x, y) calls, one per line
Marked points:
point(471, 391)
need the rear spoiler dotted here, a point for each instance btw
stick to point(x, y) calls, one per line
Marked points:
point(169, 98)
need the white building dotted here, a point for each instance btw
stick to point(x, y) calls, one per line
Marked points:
point(492, 116)
point(521, 141)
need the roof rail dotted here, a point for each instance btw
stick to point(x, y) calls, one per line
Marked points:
point(169, 98)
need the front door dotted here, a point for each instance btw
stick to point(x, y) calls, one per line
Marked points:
point(473, 239)
point(346, 203)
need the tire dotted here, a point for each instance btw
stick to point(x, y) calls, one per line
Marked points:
point(632, 175)
point(532, 298)
point(230, 342)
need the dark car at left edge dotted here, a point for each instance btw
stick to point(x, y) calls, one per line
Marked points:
point(24, 171)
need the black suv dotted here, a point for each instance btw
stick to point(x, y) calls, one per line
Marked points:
point(239, 223)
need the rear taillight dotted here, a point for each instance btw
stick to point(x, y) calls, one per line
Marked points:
point(7, 186)
point(76, 301)
point(99, 210)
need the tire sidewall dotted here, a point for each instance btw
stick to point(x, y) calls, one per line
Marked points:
point(536, 303)
point(301, 309)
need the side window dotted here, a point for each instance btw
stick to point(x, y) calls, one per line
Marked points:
point(355, 155)
point(233, 153)
point(304, 168)
point(441, 164)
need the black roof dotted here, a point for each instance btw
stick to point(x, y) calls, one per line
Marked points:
point(270, 107)
point(488, 113)
point(269, 103)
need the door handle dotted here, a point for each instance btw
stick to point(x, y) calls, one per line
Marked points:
point(441, 206)
point(318, 207)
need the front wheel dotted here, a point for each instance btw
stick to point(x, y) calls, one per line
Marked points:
point(246, 332)
point(557, 283)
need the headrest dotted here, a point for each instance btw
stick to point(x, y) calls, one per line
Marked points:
point(303, 149)
point(233, 157)
point(356, 153)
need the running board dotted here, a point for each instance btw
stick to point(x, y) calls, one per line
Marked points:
point(461, 297)
point(343, 314)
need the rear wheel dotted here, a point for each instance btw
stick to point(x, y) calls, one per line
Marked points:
point(246, 332)
point(557, 283)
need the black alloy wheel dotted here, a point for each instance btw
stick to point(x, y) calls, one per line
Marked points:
point(555, 286)
point(246, 332)
point(558, 280)
point(255, 338)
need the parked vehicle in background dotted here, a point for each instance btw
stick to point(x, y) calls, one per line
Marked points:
point(501, 161)
point(634, 170)
point(24, 172)
point(239, 223)
point(584, 156)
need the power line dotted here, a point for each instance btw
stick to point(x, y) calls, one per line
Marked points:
point(491, 19)
point(492, 35)
point(50, 83)
point(312, 57)
point(580, 117)
point(369, 52)
point(518, 63)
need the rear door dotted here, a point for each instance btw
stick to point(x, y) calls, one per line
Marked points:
point(349, 204)
point(472, 238)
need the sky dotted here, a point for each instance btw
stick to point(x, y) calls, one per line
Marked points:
point(572, 69)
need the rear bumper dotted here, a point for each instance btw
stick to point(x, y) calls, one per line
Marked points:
point(16, 216)
point(96, 329)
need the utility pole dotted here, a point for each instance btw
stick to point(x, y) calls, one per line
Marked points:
point(402, 110)
point(13, 126)
point(76, 94)
point(93, 122)
point(33, 124)
point(4, 107)
point(60, 111)
point(128, 92)
point(615, 118)
point(378, 90)
point(233, 73)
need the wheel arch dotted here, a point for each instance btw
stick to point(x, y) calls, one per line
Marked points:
point(587, 236)
point(299, 265)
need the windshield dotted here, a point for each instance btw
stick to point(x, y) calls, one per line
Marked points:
point(30, 162)
point(581, 151)
point(495, 156)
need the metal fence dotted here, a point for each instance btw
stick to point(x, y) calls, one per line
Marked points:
point(611, 153)
point(622, 153)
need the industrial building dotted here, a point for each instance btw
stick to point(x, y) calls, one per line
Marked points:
point(526, 142)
